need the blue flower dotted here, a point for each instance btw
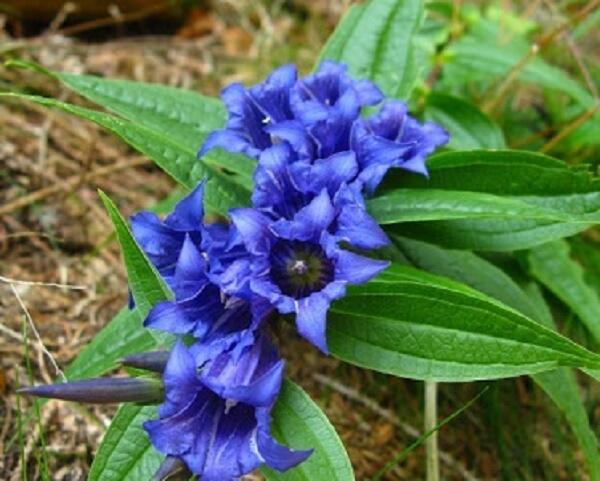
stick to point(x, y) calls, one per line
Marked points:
point(314, 114)
point(325, 105)
point(221, 438)
point(392, 138)
point(251, 111)
point(173, 245)
point(283, 184)
point(298, 265)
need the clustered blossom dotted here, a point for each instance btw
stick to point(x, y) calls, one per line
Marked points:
point(294, 251)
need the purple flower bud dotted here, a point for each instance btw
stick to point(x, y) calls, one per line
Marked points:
point(172, 469)
point(101, 390)
point(154, 361)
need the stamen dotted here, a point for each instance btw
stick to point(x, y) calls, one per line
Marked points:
point(300, 267)
point(229, 404)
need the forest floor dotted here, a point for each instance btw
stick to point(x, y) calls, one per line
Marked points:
point(53, 229)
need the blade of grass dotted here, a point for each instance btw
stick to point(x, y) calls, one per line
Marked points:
point(421, 439)
point(41, 452)
point(19, 433)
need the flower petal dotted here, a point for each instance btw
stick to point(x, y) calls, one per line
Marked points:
point(358, 228)
point(252, 226)
point(277, 456)
point(309, 222)
point(311, 319)
point(357, 269)
point(189, 211)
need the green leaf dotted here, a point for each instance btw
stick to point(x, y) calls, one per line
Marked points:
point(468, 126)
point(561, 386)
point(412, 205)
point(534, 179)
point(126, 453)
point(476, 272)
point(146, 284)
point(552, 265)
point(504, 172)
point(377, 40)
point(417, 325)
point(182, 115)
point(299, 423)
point(222, 191)
point(123, 335)
point(470, 269)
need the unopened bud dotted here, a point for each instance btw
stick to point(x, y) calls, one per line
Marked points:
point(101, 390)
point(150, 361)
point(172, 469)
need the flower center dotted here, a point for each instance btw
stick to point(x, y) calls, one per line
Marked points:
point(300, 268)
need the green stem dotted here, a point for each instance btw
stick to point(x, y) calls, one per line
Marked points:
point(431, 445)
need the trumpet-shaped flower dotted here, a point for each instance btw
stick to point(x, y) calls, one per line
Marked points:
point(392, 138)
point(298, 264)
point(221, 438)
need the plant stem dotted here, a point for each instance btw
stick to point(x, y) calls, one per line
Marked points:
point(431, 444)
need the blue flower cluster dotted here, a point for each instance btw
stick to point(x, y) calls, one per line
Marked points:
point(293, 252)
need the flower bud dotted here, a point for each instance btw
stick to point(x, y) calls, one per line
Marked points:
point(172, 469)
point(154, 361)
point(101, 390)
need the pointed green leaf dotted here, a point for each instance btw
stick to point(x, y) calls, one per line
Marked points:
point(126, 453)
point(222, 191)
point(552, 265)
point(413, 205)
point(182, 115)
point(299, 423)
point(377, 40)
point(417, 325)
point(146, 284)
point(468, 126)
point(518, 176)
point(560, 385)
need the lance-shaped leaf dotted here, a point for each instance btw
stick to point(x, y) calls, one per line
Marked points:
point(523, 177)
point(126, 453)
point(145, 282)
point(418, 205)
point(417, 325)
point(182, 115)
point(298, 422)
point(552, 265)
point(560, 385)
point(377, 40)
point(468, 126)
point(222, 191)
point(147, 287)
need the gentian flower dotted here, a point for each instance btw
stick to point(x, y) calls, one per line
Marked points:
point(298, 264)
point(251, 111)
point(313, 114)
point(218, 438)
point(174, 244)
point(392, 138)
